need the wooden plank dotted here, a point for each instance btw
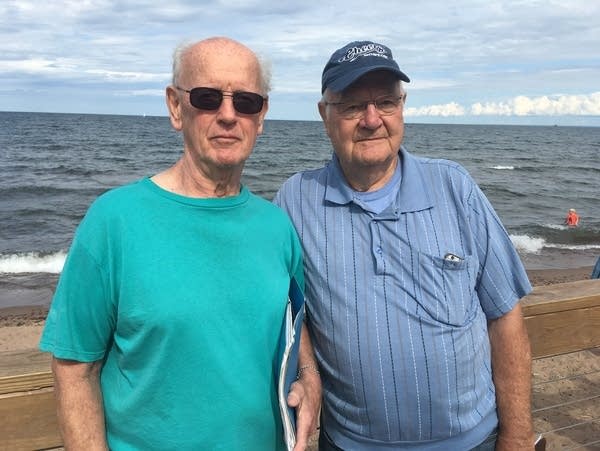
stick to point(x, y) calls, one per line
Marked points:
point(29, 421)
point(563, 317)
point(563, 332)
point(26, 382)
point(13, 363)
point(27, 405)
point(24, 371)
point(561, 297)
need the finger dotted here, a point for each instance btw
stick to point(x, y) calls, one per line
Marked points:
point(300, 446)
point(295, 395)
point(302, 431)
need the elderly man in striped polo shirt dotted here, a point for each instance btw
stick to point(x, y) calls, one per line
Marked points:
point(412, 282)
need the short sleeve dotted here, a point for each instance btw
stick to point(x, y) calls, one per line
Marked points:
point(502, 276)
point(81, 318)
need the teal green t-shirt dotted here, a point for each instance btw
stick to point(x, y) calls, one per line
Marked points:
point(184, 299)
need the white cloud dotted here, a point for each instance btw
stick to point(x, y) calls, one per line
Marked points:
point(63, 68)
point(557, 105)
point(577, 105)
point(38, 66)
point(449, 109)
point(463, 51)
point(143, 93)
point(111, 75)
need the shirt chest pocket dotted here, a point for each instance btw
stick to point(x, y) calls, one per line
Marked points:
point(445, 289)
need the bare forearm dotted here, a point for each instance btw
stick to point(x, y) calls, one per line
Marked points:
point(305, 394)
point(511, 370)
point(309, 375)
point(306, 356)
point(79, 405)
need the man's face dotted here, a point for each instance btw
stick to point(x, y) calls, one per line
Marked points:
point(370, 141)
point(222, 138)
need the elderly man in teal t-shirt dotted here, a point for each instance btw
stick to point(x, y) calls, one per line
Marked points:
point(166, 320)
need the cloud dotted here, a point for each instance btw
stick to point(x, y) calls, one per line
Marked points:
point(458, 55)
point(449, 109)
point(63, 68)
point(30, 66)
point(119, 76)
point(577, 105)
point(558, 105)
point(143, 93)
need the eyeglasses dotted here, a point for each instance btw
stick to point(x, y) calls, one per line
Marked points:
point(210, 99)
point(385, 105)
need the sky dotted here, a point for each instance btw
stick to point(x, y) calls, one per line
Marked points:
point(504, 62)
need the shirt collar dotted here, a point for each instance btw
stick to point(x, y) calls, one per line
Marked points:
point(413, 195)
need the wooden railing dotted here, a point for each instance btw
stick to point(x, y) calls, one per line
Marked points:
point(561, 318)
point(27, 406)
point(563, 322)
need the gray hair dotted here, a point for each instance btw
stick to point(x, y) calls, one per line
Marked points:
point(264, 67)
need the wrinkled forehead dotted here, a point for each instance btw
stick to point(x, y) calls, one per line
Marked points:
point(221, 65)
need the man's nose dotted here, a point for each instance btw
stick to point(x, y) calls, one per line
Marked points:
point(372, 117)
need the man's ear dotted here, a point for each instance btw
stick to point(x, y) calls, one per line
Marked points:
point(323, 113)
point(174, 106)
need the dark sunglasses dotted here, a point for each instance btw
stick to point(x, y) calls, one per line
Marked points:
point(210, 99)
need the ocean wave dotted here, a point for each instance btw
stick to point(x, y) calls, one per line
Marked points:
point(574, 247)
point(528, 244)
point(533, 245)
point(501, 168)
point(32, 262)
point(556, 226)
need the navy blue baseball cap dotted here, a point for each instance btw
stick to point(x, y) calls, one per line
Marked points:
point(354, 60)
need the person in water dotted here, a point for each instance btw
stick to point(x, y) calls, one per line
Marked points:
point(572, 219)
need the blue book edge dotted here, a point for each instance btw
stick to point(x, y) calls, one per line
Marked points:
point(289, 345)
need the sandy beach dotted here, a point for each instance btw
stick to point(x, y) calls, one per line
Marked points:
point(20, 327)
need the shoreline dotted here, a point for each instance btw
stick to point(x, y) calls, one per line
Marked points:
point(539, 277)
point(21, 326)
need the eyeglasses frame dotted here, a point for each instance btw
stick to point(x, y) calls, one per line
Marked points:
point(223, 95)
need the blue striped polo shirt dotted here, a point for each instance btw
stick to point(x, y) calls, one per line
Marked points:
point(398, 303)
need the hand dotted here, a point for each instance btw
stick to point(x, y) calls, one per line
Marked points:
point(305, 397)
